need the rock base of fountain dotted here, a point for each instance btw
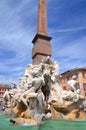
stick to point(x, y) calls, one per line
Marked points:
point(40, 96)
point(20, 120)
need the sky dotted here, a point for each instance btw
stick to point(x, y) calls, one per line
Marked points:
point(18, 26)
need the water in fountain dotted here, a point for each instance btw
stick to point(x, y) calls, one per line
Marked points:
point(49, 125)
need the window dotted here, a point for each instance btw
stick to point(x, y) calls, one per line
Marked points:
point(68, 78)
point(64, 88)
point(83, 75)
point(77, 86)
point(84, 86)
point(85, 93)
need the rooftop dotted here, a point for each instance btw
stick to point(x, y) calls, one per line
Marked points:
point(4, 86)
point(75, 69)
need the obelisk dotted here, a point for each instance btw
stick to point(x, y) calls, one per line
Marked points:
point(41, 41)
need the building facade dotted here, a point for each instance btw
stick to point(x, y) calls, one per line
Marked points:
point(3, 89)
point(80, 73)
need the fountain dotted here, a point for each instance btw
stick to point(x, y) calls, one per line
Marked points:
point(40, 97)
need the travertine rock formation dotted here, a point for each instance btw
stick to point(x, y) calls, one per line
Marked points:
point(40, 96)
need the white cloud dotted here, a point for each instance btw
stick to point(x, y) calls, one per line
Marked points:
point(74, 49)
point(57, 30)
point(14, 38)
point(17, 29)
point(72, 54)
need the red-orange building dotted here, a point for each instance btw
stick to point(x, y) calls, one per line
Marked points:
point(3, 88)
point(81, 78)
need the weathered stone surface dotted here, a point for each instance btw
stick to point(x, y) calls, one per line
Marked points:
point(21, 120)
point(40, 96)
point(76, 114)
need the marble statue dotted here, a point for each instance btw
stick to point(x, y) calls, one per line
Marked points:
point(72, 84)
point(40, 96)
